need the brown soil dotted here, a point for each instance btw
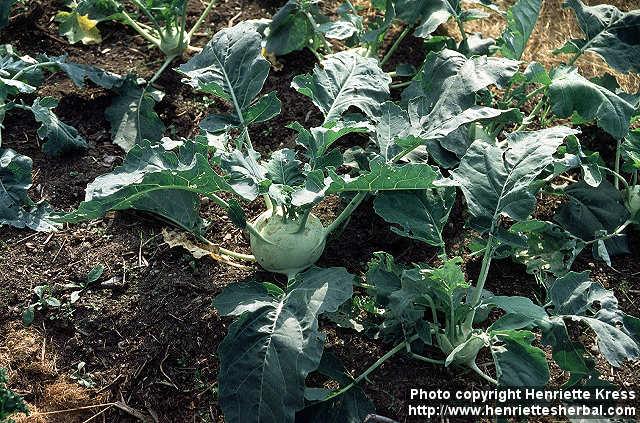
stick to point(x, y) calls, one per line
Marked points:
point(147, 331)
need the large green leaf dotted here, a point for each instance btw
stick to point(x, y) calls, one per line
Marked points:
point(283, 168)
point(518, 363)
point(610, 33)
point(132, 116)
point(393, 124)
point(385, 177)
point(60, 138)
point(442, 96)
point(292, 29)
point(549, 247)
point(16, 208)
point(231, 67)
point(570, 92)
point(576, 297)
point(421, 215)
point(270, 350)
point(427, 15)
point(317, 141)
point(346, 79)
point(79, 73)
point(521, 19)
point(496, 180)
point(154, 180)
point(592, 210)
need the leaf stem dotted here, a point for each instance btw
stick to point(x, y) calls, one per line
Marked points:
point(526, 121)
point(373, 367)
point(395, 45)
point(618, 177)
point(615, 233)
point(482, 278)
point(32, 67)
point(153, 79)
point(426, 359)
point(148, 13)
point(133, 24)
point(250, 228)
point(353, 204)
point(473, 366)
point(400, 85)
point(464, 41)
point(202, 17)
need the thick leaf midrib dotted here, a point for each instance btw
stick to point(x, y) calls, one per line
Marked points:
point(263, 365)
point(229, 84)
point(342, 88)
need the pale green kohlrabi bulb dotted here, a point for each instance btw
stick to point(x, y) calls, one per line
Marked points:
point(291, 250)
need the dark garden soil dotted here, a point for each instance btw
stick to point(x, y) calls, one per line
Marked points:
point(147, 331)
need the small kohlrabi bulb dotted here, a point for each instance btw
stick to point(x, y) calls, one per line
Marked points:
point(289, 250)
point(170, 42)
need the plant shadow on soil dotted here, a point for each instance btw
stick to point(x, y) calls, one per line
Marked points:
point(149, 337)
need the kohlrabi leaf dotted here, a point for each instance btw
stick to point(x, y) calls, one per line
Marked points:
point(80, 73)
point(152, 179)
point(521, 19)
point(60, 138)
point(264, 109)
point(392, 124)
point(609, 33)
point(12, 62)
point(292, 28)
point(518, 363)
point(590, 210)
point(576, 297)
point(549, 247)
point(231, 67)
point(317, 141)
point(421, 215)
point(351, 407)
point(385, 275)
point(385, 177)
point(284, 168)
point(442, 97)
point(346, 79)
point(16, 208)
point(270, 350)
point(244, 172)
point(496, 180)
point(78, 28)
point(132, 116)
point(570, 93)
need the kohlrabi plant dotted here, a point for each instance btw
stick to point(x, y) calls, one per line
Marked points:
point(163, 23)
point(489, 127)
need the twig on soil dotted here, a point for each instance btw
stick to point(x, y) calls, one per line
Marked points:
point(231, 21)
point(58, 253)
point(104, 388)
point(98, 414)
point(26, 238)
